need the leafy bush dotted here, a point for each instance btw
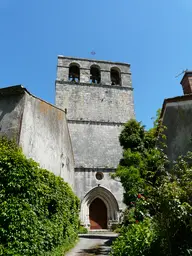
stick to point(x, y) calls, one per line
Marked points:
point(173, 206)
point(135, 240)
point(115, 227)
point(38, 211)
point(83, 230)
point(155, 189)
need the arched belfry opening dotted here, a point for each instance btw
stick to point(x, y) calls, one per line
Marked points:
point(99, 209)
point(74, 73)
point(95, 75)
point(115, 76)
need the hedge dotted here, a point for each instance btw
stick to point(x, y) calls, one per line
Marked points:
point(38, 210)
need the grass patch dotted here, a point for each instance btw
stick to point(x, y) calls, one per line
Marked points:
point(62, 249)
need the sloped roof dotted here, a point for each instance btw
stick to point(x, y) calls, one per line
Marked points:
point(20, 89)
point(11, 90)
point(175, 99)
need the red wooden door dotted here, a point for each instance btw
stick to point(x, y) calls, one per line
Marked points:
point(98, 214)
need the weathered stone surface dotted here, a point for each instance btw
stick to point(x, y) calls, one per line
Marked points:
point(95, 102)
point(11, 110)
point(85, 180)
point(45, 138)
point(96, 113)
point(177, 119)
point(39, 128)
point(95, 145)
point(85, 65)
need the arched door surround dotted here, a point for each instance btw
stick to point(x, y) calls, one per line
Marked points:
point(109, 200)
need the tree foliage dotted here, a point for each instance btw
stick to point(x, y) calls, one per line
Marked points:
point(38, 211)
point(135, 240)
point(158, 198)
point(142, 163)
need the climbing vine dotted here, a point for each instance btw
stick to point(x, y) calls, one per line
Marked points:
point(38, 211)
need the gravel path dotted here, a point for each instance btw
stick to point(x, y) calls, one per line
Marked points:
point(93, 244)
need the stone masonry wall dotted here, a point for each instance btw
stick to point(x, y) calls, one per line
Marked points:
point(85, 65)
point(39, 128)
point(95, 103)
point(178, 120)
point(85, 180)
point(95, 145)
point(45, 138)
point(96, 114)
point(11, 110)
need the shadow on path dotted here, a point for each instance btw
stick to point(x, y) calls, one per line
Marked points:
point(100, 249)
point(93, 244)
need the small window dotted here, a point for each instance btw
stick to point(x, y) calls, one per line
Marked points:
point(115, 77)
point(95, 75)
point(74, 73)
point(99, 175)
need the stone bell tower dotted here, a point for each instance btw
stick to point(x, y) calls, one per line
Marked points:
point(98, 97)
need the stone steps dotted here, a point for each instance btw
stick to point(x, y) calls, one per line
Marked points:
point(99, 232)
point(96, 231)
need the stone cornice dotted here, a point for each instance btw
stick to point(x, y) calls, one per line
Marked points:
point(94, 122)
point(119, 87)
point(95, 169)
point(93, 60)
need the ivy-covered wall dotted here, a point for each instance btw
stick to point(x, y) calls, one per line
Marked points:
point(38, 210)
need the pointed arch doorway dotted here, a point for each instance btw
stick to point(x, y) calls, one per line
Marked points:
point(98, 214)
point(107, 198)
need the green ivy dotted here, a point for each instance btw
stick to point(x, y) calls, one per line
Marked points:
point(38, 210)
point(135, 240)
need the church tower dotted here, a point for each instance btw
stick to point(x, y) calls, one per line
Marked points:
point(98, 98)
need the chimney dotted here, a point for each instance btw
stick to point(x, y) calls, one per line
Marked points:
point(186, 82)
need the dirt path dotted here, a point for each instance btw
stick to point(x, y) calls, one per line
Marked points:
point(94, 244)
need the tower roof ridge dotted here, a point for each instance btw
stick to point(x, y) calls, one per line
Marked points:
point(93, 60)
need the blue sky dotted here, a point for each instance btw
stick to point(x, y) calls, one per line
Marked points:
point(154, 36)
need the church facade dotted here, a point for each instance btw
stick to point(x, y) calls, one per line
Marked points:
point(78, 137)
point(98, 98)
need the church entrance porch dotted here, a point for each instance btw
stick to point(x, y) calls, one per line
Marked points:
point(98, 214)
point(99, 209)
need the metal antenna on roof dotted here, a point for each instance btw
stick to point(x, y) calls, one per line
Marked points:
point(181, 73)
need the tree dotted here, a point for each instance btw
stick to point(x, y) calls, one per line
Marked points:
point(158, 198)
point(142, 163)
